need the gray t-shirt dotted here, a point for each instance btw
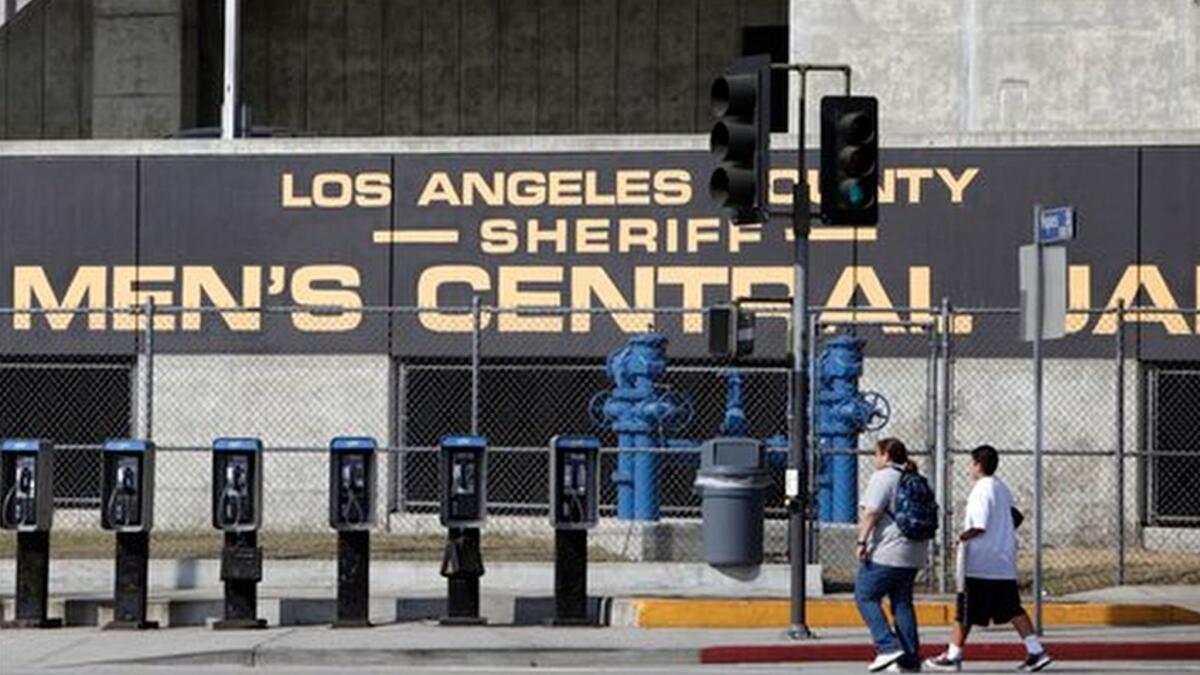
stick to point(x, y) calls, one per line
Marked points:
point(887, 545)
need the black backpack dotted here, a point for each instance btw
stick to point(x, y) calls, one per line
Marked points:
point(916, 507)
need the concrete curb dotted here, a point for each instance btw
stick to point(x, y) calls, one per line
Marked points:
point(1061, 651)
point(718, 613)
point(527, 657)
point(359, 658)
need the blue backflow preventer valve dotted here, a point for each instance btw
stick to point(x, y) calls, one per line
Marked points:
point(643, 412)
point(843, 412)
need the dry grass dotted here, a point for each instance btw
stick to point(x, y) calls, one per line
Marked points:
point(76, 544)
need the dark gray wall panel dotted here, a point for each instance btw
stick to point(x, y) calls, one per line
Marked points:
point(63, 32)
point(255, 59)
point(597, 67)
point(558, 47)
point(676, 66)
point(364, 53)
point(58, 215)
point(326, 76)
point(288, 64)
point(439, 67)
point(716, 46)
point(480, 67)
point(1170, 242)
point(402, 67)
point(637, 66)
point(25, 68)
point(3, 81)
point(518, 65)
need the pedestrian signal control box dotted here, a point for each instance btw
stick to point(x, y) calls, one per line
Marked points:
point(26, 485)
point(464, 481)
point(127, 485)
point(352, 479)
point(237, 484)
point(574, 482)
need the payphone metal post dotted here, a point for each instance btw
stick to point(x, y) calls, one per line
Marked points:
point(574, 509)
point(127, 508)
point(463, 468)
point(237, 480)
point(27, 506)
point(352, 502)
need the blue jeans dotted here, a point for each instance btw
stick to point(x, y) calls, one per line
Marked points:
point(875, 581)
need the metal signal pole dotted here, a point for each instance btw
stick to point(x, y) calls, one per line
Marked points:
point(799, 498)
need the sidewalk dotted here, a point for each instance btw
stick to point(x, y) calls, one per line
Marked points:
point(425, 644)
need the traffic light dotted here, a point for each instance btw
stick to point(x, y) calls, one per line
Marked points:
point(740, 138)
point(850, 160)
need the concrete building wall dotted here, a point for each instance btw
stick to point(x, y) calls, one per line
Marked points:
point(96, 69)
point(1097, 69)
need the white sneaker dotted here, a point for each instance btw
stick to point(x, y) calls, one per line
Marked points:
point(897, 668)
point(884, 660)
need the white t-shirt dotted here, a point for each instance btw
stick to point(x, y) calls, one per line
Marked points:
point(993, 554)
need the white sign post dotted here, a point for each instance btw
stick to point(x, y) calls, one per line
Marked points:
point(1043, 267)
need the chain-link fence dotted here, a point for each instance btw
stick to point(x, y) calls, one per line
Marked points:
point(1121, 453)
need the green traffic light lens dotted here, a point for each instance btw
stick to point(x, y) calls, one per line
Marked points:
point(857, 195)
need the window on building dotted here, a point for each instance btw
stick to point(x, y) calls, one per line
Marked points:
point(77, 403)
point(1172, 468)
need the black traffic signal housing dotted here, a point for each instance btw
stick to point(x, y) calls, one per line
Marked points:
point(741, 138)
point(850, 160)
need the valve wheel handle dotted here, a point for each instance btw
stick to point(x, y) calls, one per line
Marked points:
point(596, 409)
point(881, 410)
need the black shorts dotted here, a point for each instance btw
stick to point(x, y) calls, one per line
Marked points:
point(989, 601)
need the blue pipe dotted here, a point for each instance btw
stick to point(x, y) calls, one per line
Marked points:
point(842, 414)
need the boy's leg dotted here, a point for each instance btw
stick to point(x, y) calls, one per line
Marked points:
point(869, 588)
point(900, 593)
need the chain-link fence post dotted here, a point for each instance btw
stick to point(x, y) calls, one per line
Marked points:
point(1120, 449)
point(814, 524)
point(145, 388)
point(942, 441)
point(476, 328)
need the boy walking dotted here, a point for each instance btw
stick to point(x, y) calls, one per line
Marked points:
point(989, 543)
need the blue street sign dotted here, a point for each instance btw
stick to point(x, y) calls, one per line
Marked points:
point(1057, 225)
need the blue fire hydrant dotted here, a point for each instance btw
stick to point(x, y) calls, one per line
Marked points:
point(842, 414)
point(640, 410)
point(734, 422)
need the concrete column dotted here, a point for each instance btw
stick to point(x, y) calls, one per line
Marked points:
point(137, 73)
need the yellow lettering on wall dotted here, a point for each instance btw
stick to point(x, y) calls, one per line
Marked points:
point(887, 188)
point(439, 189)
point(342, 195)
point(429, 285)
point(31, 289)
point(1079, 296)
point(919, 296)
point(702, 230)
point(641, 232)
point(914, 177)
point(591, 235)
point(526, 188)
point(373, 189)
point(744, 281)
point(692, 280)
point(512, 295)
point(957, 186)
point(852, 280)
point(475, 185)
point(287, 191)
point(633, 187)
point(1136, 278)
point(126, 292)
point(535, 235)
point(305, 292)
point(202, 281)
point(587, 282)
point(566, 188)
point(672, 187)
point(498, 236)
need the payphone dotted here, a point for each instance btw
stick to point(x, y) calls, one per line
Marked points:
point(464, 507)
point(352, 478)
point(574, 508)
point(27, 506)
point(127, 508)
point(237, 480)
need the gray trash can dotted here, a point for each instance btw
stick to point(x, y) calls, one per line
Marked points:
point(732, 482)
